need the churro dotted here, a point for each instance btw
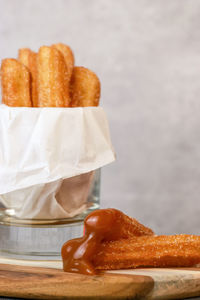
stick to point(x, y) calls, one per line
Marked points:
point(84, 88)
point(100, 226)
point(15, 80)
point(68, 56)
point(123, 226)
point(53, 80)
point(149, 251)
point(29, 59)
point(113, 240)
point(53, 84)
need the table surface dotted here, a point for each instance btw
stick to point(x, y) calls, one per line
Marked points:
point(3, 298)
point(176, 275)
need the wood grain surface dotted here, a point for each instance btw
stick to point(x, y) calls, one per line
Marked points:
point(47, 283)
point(25, 279)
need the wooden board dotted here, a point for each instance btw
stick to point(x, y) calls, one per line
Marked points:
point(50, 282)
point(47, 283)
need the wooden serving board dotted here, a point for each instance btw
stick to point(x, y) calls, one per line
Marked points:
point(50, 282)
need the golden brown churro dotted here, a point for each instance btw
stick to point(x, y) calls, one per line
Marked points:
point(29, 59)
point(24, 56)
point(53, 79)
point(15, 80)
point(100, 226)
point(131, 227)
point(53, 85)
point(149, 251)
point(112, 240)
point(84, 88)
point(68, 56)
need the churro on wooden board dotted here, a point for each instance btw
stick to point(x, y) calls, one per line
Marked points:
point(16, 84)
point(149, 251)
point(100, 226)
point(113, 240)
point(53, 84)
point(84, 88)
point(29, 59)
point(68, 56)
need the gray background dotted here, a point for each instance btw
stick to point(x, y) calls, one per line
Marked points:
point(147, 55)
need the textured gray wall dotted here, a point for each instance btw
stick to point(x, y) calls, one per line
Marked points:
point(147, 55)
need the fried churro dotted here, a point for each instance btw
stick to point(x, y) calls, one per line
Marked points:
point(53, 79)
point(53, 84)
point(84, 88)
point(100, 226)
point(113, 240)
point(68, 56)
point(122, 225)
point(15, 80)
point(148, 251)
point(29, 59)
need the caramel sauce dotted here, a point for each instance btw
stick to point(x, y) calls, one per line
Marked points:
point(100, 225)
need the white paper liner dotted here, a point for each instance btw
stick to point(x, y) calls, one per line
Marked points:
point(46, 158)
point(55, 200)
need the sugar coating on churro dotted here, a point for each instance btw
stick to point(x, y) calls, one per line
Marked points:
point(129, 226)
point(84, 87)
point(134, 228)
point(53, 79)
point(149, 251)
point(68, 56)
point(100, 226)
point(23, 56)
point(53, 85)
point(29, 59)
point(15, 81)
point(113, 240)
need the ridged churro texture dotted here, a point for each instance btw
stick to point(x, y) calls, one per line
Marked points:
point(84, 88)
point(68, 56)
point(53, 83)
point(16, 84)
point(29, 59)
point(133, 228)
point(127, 226)
point(149, 251)
point(101, 226)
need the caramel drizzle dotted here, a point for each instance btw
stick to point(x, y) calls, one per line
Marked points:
point(101, 225)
